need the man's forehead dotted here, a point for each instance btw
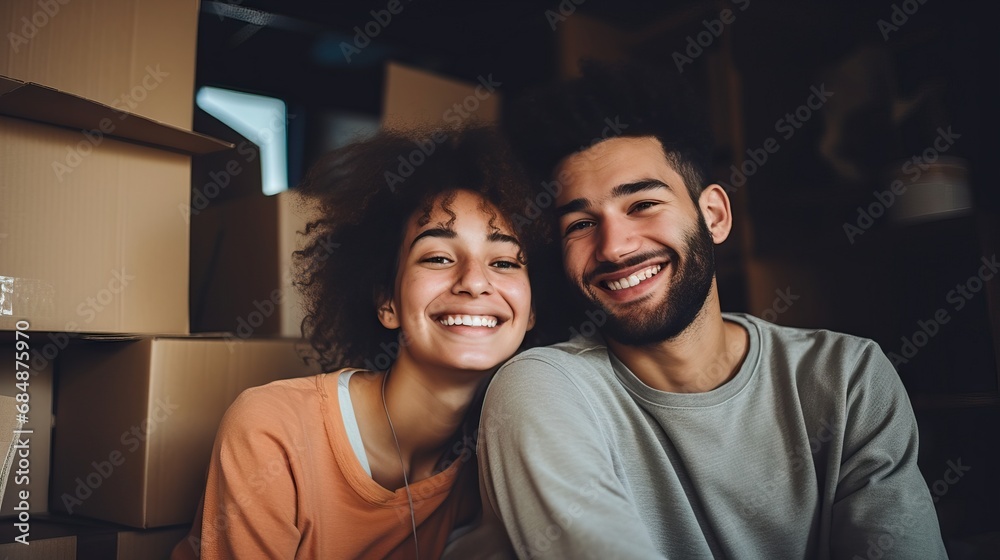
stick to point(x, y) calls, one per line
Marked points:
point(614, 161)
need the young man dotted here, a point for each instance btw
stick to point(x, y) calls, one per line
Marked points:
point(680, 431)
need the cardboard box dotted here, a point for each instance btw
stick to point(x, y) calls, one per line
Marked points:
point(417, 98)
point(241, 266)
point(92, 230)
point(136, 55)
point(137, 421)
point(151, 544)
point(61, 538)
point(44, 548)
point(582, 37)
point(37, 436)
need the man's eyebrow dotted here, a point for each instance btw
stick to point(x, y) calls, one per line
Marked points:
point(639, 186)
point(625, 189)
point(575, 205)
point(497, 237)
point(434, 232)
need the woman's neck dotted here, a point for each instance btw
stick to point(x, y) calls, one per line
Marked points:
point(422, 411)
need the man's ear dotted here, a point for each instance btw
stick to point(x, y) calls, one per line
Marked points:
point(718, 214)
point(386, 310)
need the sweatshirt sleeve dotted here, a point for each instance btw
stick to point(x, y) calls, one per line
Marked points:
point(549, 471)
point(250, 498)
point(882, 505)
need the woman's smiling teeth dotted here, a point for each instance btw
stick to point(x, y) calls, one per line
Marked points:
point(488, 321)
point(632, 280)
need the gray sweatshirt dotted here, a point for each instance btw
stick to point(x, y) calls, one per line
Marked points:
point(809, 451)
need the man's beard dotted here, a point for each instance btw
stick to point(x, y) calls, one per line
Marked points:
point(686, 294)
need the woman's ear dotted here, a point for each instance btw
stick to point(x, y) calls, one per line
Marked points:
point(715, 207)
point(531, 319)
point(386, 310)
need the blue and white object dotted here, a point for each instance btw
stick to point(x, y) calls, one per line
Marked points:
point(262, 121)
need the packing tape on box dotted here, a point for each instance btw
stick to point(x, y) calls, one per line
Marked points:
point(26, 298)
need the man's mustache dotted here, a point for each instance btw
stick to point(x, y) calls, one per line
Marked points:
point(607, 267)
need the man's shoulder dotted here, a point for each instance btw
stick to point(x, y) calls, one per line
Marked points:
point(806, 343)
point(576, 365)
point(578, 349)
point(576, 357)
point(819, 359)
point(567, 384)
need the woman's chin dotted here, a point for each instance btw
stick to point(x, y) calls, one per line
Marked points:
point(477, 364)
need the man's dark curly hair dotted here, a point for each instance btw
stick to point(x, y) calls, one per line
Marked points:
point(609, 100)
point(365, 194)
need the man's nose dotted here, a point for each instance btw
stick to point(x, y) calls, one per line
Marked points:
point(616, 239)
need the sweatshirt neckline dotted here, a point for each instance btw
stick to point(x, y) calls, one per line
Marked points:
point(711, 398)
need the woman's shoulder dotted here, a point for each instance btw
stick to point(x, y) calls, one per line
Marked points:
point(284, 391)
point(278, 404)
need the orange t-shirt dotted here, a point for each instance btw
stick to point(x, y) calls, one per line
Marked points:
point(284, 482)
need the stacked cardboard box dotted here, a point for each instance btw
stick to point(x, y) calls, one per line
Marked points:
point(66, 538)
point(89, 197)
point(134, 55)
point(96, 103)
point(137, 419)
point(91, 244)
point(87, 244)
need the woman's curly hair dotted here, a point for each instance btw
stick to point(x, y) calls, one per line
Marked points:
point(365, 194)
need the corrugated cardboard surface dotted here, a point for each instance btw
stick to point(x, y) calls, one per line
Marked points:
point(153, 407)
point(56, 537)
point(138, 55)
point(99, 245)
point(150, 544)
point(418, 98)
point(241, 266)
point(47, 105)
point(59, 538)
point(57, 548)
point(40, 440)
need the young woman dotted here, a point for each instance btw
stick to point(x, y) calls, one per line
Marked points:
point(417, 280)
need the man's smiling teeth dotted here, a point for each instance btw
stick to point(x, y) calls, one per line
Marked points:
point(469, 320)
point(634, 279)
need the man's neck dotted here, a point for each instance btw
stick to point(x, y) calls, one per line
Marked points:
point(703, 357)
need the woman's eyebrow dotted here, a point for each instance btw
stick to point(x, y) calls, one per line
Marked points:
point(497, 237)
point(434, 232)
